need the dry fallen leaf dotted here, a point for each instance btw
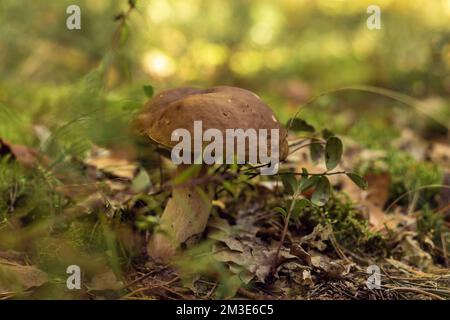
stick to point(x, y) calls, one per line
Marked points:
point(372, 200)
point(333, 269)
point(440, 153)
point(16, 277)
point(232, 243)
point(22, 154)
point(317, 237)
point(307, 279)
point(103, 160)
point(298, 251)
point(398, 221)
point(117, 167)
point(243, 248)
point(105, 281)
point(258, 261)
point(408, 269)
point(413, 254)
point(412, 144)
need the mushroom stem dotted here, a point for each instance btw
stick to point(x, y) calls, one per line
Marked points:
point(185, 215)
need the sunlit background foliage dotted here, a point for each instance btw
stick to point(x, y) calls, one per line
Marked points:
point(281, 49)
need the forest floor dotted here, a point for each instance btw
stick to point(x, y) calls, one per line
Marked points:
point(390, 241)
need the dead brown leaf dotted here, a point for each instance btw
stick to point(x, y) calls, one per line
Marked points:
point(413, 254)
point(104, 161)
point(22, 154)
point(372, 200)
point(333, 269)
point(317, 237)
point(440, 153)
point(16, 277)
point(105, 281)
point(253, 256)
point(120, 168)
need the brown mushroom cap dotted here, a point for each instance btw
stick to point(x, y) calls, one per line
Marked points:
point(218, 107)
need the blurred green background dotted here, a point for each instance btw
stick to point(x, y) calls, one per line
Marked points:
point(287, 48)
point(253, 43)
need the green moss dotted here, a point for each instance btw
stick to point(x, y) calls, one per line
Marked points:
point(27, 193)
point(373, 132)
point(350, 227)
point(407, 175)
point(430, 224)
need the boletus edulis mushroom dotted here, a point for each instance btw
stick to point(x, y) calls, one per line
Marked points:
point(222, 112)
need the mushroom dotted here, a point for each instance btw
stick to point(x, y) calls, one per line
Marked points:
point(222, 108)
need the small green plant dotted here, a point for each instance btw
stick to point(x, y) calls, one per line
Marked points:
point(148, 90)
point(26, 194)
point(430, 224)
point(332, 154)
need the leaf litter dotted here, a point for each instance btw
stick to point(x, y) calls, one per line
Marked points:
point(312, 264)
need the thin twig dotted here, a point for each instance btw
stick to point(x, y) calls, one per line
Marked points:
point(314, 174)
point(286, 224)
point(416, 290)
point(444, 248)
point(305, 145)
point(149, 274)
point(122, 17)
point(430, 186)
